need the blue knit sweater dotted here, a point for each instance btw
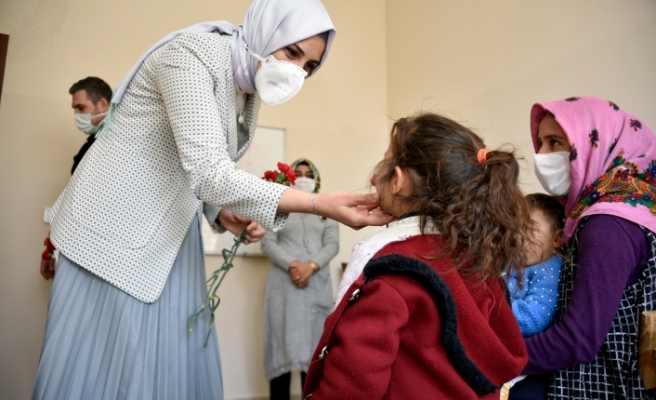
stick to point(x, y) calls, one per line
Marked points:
point(534, 305)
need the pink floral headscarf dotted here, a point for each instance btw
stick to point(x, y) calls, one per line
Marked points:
point(612, 161)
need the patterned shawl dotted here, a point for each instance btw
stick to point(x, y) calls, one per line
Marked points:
point(612, 161)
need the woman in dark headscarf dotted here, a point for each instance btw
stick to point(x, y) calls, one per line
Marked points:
point(127, 225)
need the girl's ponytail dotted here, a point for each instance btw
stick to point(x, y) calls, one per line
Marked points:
point(495, 214)
point(469, 194)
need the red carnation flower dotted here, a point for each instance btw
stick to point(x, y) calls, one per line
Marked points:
point(48, 243)
point(291, 177)
point(270, 176)
point(288, 174)
point(48, 253)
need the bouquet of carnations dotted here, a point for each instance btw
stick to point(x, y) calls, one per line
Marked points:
point(285, 175)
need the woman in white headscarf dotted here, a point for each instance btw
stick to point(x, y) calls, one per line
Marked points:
point(127, 225)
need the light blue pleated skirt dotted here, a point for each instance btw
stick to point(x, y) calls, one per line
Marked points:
point(101, 343)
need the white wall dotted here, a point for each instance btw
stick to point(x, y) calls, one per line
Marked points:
point(485, 63)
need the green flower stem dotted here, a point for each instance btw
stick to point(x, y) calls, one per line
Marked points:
point(212, 301)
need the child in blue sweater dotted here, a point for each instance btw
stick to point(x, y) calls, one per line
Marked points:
point(534, 301)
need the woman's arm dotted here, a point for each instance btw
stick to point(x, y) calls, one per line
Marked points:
point(610, 250)
point(186, 86)
point(211, 213)
point(330, 241)
point(187, 89)
point(351, 209)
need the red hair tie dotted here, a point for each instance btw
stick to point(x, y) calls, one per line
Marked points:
point(482, 155)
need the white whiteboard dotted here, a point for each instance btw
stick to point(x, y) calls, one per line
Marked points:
point(264, 153)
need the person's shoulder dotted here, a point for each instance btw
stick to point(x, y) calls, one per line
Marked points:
point(403, 265)
point(607, 232)
point(611, 225)
point(408, 277)
point(204, 37)
point(201, 41)
point(416, 245)
point(207, 50)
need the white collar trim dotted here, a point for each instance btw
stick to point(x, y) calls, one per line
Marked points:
point(365, 249)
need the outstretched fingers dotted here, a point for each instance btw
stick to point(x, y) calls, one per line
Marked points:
point(365, 211)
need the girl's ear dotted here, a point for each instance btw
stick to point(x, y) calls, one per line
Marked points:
point(401, 182)
point(558, 240)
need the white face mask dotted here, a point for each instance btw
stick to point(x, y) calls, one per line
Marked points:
point(305, 184)
point(83, 122)
point(277, 81)
point(552, 170)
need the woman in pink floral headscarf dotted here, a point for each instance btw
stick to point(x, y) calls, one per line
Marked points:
point(602, 161)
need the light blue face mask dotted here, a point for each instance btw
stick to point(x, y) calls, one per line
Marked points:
point(83, 122)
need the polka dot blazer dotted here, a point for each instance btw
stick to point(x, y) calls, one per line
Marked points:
point(168, 151)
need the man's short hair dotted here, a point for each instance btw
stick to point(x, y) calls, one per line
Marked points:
point(96, 89)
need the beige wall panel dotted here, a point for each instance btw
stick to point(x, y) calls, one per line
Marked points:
point(485, 63)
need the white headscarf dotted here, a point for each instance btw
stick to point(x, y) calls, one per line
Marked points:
point(269, 25)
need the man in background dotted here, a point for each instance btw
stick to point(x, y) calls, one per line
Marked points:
point(90, 101)
point(91, 97)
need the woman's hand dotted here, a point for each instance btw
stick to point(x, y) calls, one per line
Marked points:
point(236, 224)
point(300, 272)
point(48, 268)
point(351, 209)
